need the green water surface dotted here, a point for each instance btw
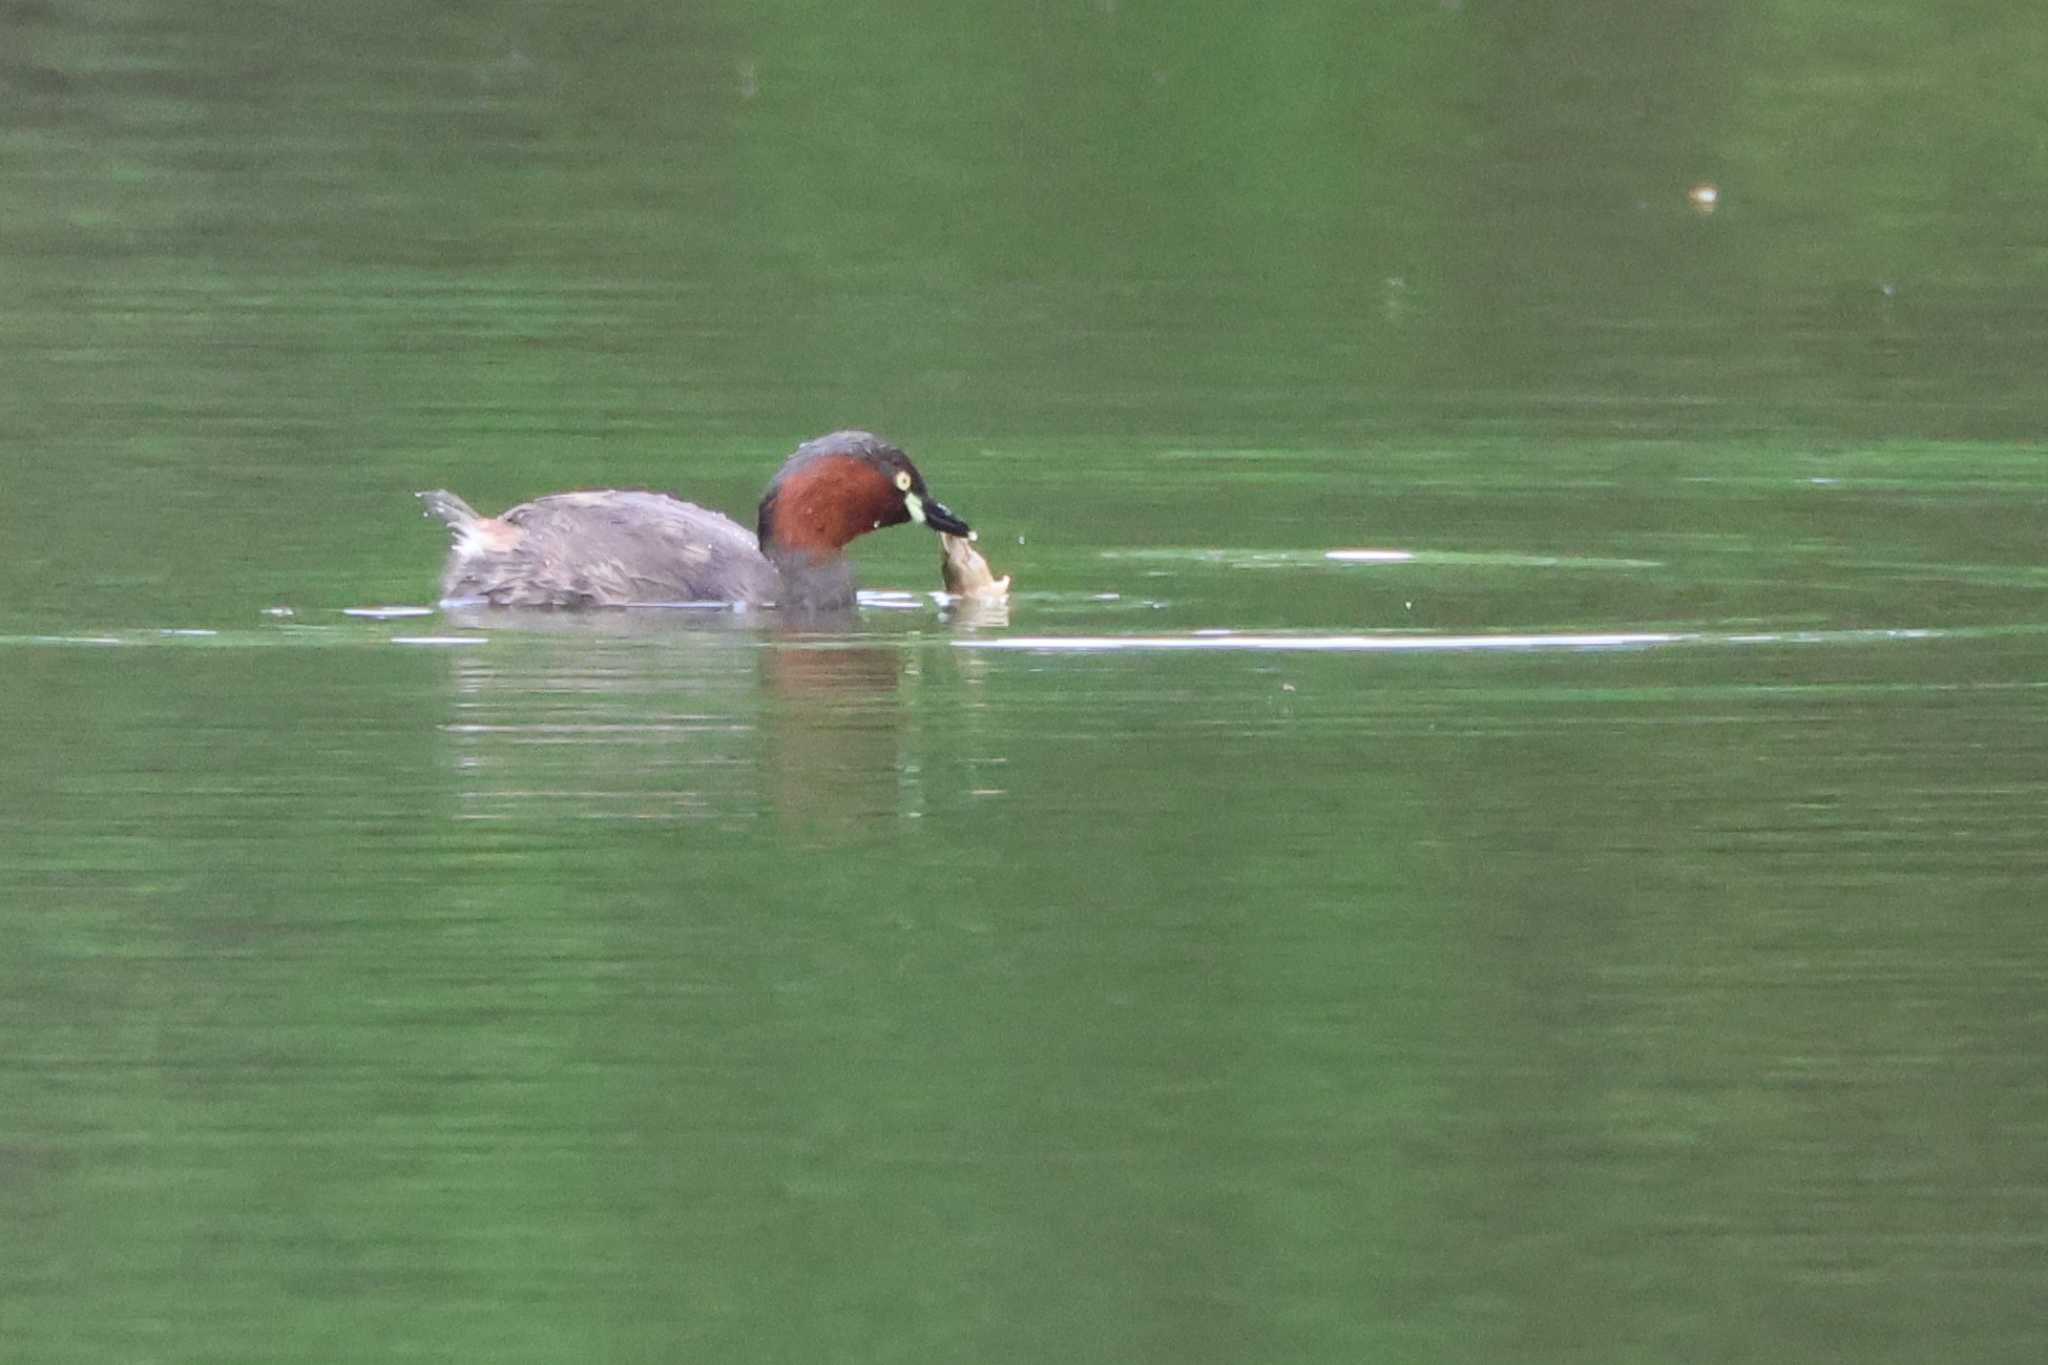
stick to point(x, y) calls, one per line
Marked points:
point(1504, 820)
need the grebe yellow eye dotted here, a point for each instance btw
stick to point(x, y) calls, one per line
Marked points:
point(903, 480)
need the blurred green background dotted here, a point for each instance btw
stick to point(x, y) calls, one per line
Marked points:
point(323, 256)
point(613, 990)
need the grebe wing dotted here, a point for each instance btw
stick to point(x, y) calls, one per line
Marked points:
point(627, 546)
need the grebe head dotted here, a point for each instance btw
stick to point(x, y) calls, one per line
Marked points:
point(841, 486)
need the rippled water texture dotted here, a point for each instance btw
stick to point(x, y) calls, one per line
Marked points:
point(1501, 821)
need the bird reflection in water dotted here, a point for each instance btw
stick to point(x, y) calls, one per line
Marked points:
point(679, 715)
point(834, 734)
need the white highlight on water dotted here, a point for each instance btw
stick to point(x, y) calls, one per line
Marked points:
point(1361, 644)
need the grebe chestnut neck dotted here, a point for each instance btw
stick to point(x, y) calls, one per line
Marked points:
point(618, 548)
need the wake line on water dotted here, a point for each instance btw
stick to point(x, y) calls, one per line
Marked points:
point(1324, 643)
point(1371, 644)
point(1279, 642)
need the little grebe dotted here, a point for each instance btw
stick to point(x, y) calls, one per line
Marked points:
point(613, 548)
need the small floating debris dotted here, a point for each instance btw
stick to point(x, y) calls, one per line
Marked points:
point(1370, 556)
point(188, 634)
point(1704, 197)
point(889, 600)
point(279, 611)
point(386, 613)
point(440, 639)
